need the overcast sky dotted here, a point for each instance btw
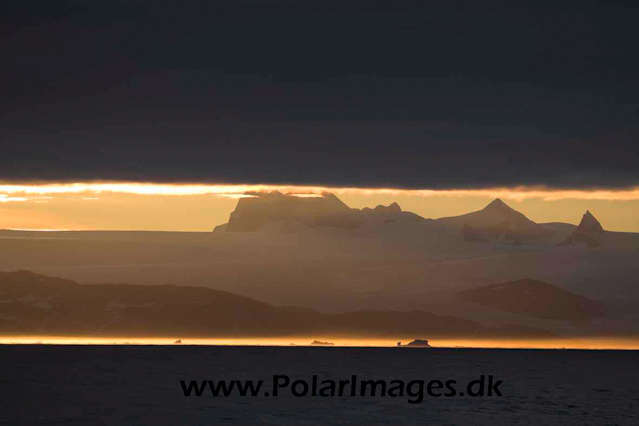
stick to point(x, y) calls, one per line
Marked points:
point(371, 94)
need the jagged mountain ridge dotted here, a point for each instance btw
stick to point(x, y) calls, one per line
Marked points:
point(497, 221)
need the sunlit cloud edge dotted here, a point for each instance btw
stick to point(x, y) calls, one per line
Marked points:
point(27, 192)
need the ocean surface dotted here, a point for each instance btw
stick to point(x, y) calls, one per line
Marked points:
point(140, 385)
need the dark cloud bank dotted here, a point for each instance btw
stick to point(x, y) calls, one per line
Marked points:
point(401, 94)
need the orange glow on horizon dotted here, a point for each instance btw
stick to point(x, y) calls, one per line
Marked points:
point(587, 343)
point(163, 206)
point(35, 192)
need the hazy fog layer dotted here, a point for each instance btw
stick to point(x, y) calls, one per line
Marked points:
point(401, 270)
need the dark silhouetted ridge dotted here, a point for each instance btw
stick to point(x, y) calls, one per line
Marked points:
point(534, 298)
point(38, 304)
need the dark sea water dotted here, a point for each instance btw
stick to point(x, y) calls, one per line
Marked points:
point(140, 385)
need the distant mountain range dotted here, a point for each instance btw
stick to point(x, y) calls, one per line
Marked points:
point(371, 272)
point(43, 305)
point(277, 212)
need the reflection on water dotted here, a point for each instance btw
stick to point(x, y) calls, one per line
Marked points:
point(581, 343)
